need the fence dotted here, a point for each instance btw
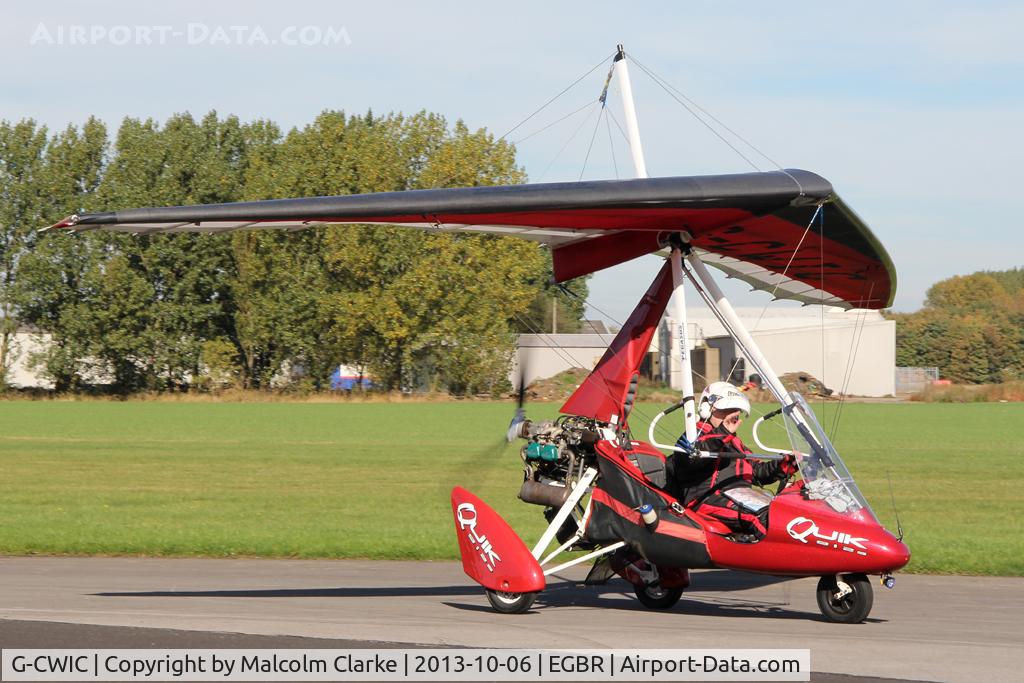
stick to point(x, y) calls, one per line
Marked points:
point(912, 380)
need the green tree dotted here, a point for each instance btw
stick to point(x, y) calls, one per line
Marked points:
point(51, 271)
point(971, 327)
point(555, 306)
point(183, 162)
point(966, 294)
point(390, 300)
point(1012, 280)
point(22, 206)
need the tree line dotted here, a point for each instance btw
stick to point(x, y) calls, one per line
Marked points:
point(971, 327)
point(184, 312)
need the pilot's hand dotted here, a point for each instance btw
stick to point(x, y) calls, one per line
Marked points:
point(789, 463)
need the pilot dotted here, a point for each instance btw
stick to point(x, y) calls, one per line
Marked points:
point(702, 482)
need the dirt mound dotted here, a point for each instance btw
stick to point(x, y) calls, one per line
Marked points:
point(806, 384)
point(802, 382)
point(556, 388)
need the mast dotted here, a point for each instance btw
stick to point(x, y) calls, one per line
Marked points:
point(679, 313)
point(678, 295)
point(628, 108)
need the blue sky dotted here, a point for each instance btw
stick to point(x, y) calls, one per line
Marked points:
point(913, 110)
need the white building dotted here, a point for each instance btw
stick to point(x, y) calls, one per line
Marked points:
point(851, 352)
point(19, 375)
point(546, 355)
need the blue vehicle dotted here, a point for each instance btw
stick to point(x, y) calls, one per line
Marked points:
point(346, 378)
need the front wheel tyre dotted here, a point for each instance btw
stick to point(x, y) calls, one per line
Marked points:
point(510, 603)
point(656, 597)
point(846, 599)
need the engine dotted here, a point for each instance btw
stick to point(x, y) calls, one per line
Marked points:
point(554, 458)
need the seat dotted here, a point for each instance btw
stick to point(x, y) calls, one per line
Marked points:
point(650, 465)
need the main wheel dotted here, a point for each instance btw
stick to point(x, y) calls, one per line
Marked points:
point(656, 597)
point(847, 600)
point(510, 603)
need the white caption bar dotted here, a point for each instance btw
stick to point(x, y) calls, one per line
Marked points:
point(405, 665)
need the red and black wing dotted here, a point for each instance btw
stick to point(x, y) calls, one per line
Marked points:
point(754, 226)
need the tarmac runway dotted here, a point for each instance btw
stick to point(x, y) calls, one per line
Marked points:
point(930, 628)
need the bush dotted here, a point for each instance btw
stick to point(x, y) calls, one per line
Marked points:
point(971, 393)
point(220, 364)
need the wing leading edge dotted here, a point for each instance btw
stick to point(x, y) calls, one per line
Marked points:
point(754, 226)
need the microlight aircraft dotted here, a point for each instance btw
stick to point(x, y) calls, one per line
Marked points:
point(602, 490)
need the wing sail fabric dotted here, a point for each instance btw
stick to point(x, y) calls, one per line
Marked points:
point(749, 224)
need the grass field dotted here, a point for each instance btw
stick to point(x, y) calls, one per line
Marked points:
point(372, 480)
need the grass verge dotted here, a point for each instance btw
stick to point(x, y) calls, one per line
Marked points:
point(372, 480)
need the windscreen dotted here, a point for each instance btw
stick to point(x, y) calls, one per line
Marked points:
point(825, 476)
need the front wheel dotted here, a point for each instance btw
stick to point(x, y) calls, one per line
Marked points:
point(846, 599)
point(656, 597)
point(510, 603)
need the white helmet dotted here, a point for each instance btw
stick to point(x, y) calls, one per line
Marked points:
point(721, 396)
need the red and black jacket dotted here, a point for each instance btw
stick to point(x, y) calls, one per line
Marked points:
point(698, 480)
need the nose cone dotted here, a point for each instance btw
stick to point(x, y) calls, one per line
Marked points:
point(894, 552)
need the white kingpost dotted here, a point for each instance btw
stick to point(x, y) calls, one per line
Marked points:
point(679, 313)
point(632, 127)
point(678, 294)
point(724, 310)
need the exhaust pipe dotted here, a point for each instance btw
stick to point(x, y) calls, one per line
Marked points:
point(543, 494)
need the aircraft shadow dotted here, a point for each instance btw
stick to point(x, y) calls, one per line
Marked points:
point(724, 580)
point(714, 580)
point(348, 592)
point(740, 608)
point(615, 594)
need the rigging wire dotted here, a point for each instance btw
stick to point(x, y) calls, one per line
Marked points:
point(619, 126)
point(821, 288)
point(551, 343)
point(514, 128)
point(549, 340)
point(693, 113)
point(635, 409)
point(785, 270)
point(669, 88)
point(851, 359)
point(858, 331)
point(590, 103)
point(775, 289)
point(567, 89)
point(567, 142)
point(611, 144)
point(593, 136)
point(704, 111)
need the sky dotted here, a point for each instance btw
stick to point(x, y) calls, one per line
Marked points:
point(912, 110)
